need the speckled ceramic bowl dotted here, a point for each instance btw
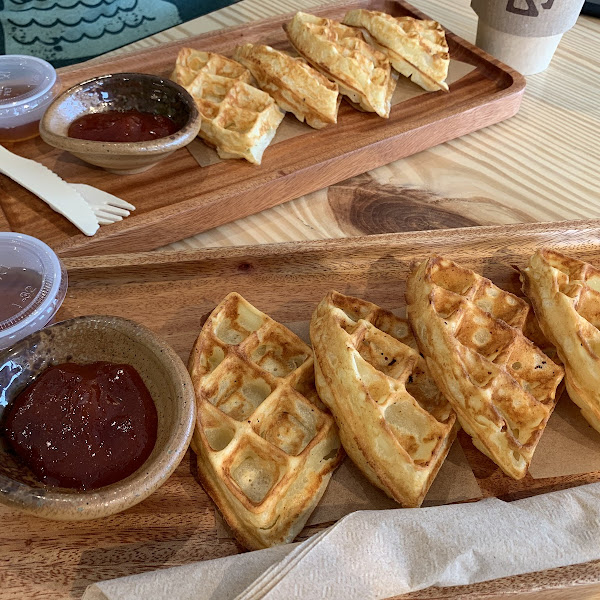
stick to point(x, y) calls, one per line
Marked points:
point(86, 340)
point(122, 91)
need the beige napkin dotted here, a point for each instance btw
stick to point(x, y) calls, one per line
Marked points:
point(378, 554)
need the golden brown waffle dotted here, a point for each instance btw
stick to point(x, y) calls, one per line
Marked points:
point(293, 84)
point(502, 387)
point(394, 422)
point(266, 451)
point(190, 63)
point(416, 48)
point(238, 119)
point(565, 294)
point(363, 74)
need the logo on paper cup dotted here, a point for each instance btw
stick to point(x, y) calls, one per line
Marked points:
point(528, 18)
point(530, 10)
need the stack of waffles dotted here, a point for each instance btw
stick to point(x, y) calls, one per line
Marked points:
point(394, 423)
point(359, 59)
point(273, 419)
point(238, 119)
point(502, 387)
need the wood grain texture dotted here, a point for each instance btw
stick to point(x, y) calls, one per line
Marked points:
point(363, 206)
point(178, 198)
point(172, 292)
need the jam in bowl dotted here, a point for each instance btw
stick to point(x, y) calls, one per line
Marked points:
point(122, 126)
point(77, 354)
point(120, 102)
point(83, 426)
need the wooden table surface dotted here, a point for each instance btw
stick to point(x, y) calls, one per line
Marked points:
point(541, 165)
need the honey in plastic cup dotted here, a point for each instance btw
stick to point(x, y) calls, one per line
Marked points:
point(33, 284)
point(27, 87)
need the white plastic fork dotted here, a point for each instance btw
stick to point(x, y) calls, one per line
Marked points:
point(107, 208)
point(84, 205)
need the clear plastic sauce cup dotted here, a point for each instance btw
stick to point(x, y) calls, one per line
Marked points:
point(27, 87)
point(33, 284)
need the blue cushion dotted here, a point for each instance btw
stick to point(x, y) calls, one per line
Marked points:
point(64, 32)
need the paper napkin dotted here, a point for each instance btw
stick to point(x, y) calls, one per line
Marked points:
point(378, 554)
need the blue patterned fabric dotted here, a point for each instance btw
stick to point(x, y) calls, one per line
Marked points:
point(64, 32)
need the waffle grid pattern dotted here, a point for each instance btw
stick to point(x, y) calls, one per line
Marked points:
point(261, 428)
point(417, 49)
point(488, 322)
point(341, 53)
point(509, 385)
point(565, 293)
point(581, 283)
point(412, 423)
point(190, 63)
point(384, 342)
point(238, 119)
point(295, 85)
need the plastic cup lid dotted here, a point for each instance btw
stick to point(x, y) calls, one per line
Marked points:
point(33, 284)
point(25, 82)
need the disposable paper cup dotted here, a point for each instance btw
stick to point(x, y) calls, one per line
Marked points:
point(528, 55)
point(524, 34)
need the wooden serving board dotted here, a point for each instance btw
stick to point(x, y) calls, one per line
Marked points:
point(171, 293)
point(178, 198)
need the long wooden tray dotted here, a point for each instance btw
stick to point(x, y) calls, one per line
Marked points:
point(178, 198)
point(171, 293)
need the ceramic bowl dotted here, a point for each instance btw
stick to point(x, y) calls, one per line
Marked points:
point(85, 340)
point(122, 92)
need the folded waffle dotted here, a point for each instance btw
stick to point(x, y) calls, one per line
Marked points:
point(394, 423)
point(363, 74)
point(238, 119)
point(565, 294)
point(266, 446)
point(190, 63)
point(293, 84)
point(502, 387)
point(416, 48)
